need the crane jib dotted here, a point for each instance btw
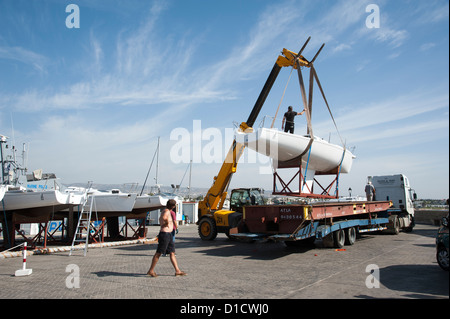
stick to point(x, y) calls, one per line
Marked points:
point(263, 95)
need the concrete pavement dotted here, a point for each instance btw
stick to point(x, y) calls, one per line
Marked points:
point(404, 264)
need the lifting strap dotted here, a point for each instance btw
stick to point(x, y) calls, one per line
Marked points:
point(282, 97)
point(326, 102)
point(306, 169)
point(336, 191)
point(305, 106)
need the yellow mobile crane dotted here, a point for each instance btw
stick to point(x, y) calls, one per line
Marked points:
point(212, 218)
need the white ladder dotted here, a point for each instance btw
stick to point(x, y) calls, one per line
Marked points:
point(82, 231)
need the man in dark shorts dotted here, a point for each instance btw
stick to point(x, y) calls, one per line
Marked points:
point(165, 241)
point(289, 119)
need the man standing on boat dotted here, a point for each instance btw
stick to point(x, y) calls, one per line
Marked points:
point(289, 119)
point(165, 240)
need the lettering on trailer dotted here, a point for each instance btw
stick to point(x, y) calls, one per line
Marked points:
point(287, 214)
point(323, 215)
point(287, 217)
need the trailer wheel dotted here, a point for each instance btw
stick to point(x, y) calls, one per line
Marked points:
point(350, 236)
point(394, 225)
point(411, 226)
point(339, 238)
point(328, 240)
point(207, 229)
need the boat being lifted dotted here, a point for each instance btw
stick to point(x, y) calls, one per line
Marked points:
point(308, 154)
point(286, 149)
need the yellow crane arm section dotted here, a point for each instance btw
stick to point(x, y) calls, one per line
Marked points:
point(216, 195)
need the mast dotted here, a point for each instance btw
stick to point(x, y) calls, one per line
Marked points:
point(151, 164)
point(157, 162)
point(190, 175)
point(2, 140)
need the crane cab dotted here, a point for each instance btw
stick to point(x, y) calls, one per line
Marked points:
point(241, 197)
point(221, 221)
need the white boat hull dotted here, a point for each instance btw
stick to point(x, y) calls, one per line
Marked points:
point(105, 201)
point(20, 199)
point(285, 149)
point(109, 202)
point(149, 202)
point(2, 191)
point(146, 203)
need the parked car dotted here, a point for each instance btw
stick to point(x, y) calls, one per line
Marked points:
point(442, 244)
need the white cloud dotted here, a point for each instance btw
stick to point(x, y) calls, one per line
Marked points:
point(75, 149)
point(151, 70)
point(394, 38)
point(257, 50)
point(427, 46)
point(36, 60)
point(430, 12)
point(341, 47)
point(389, 110)
point(97, 53)
point(343, 15)
point(406, 133)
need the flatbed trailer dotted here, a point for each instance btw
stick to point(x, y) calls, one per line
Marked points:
point(336, 223)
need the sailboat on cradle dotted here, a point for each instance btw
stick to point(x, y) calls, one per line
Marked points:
point(286, 149)
point(312, 154)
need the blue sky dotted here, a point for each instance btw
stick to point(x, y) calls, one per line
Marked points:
point(92, 101)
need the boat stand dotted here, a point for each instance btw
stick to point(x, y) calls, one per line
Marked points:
point(97, 234)
point(302, 189)
point(43, 235)
point(138, 233)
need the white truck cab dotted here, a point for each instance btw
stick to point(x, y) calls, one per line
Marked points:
point(397, 189)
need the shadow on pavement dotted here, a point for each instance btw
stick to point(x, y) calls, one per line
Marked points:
point(409, 278)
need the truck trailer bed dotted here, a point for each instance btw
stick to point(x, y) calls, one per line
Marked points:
point(302, 221)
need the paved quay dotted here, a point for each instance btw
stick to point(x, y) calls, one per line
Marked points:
point(223, 269)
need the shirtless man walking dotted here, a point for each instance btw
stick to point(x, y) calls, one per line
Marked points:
point(165, 240)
